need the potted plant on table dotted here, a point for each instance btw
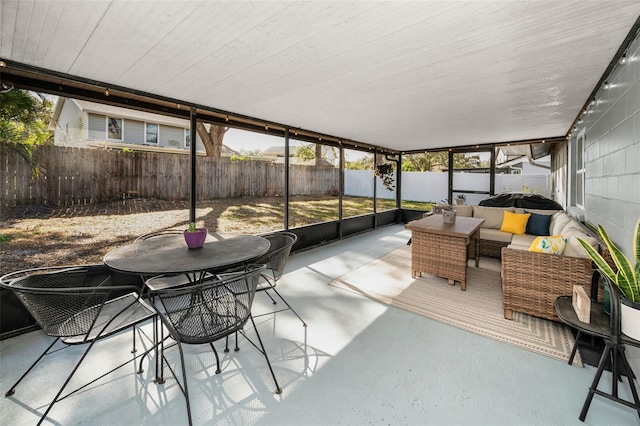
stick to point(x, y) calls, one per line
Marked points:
point(460, 199)
point(627, 278)
point(448, 212)
point(195, 237)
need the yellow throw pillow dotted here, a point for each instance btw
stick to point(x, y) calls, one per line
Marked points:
point(554, 244)
point(514, 222)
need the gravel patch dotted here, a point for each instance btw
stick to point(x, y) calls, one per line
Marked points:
point(36, 236)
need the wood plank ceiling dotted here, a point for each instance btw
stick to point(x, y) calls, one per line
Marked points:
point(399, 75)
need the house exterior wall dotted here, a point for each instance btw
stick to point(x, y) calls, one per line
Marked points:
point(69, 130)
point(559, 166)
point(612, 153)
point(171, 136)
point(133, 131)
point(97, 127)
point(75, 126)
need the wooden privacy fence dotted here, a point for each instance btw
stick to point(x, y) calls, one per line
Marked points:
point(80, 175)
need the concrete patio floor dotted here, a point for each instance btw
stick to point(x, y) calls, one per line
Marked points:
point(358, 362)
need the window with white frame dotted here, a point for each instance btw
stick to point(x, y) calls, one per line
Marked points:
point(114, 128)
point(579, 164)
point(187, 138)
point(151, 133)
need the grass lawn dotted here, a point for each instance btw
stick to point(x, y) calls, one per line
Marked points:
point(33, 236)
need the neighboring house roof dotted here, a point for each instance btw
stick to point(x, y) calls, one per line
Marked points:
point(312, 162)
point(228, 152)
point(97, 108)
point(535, 154)
point(136, 147)
point(276, 151)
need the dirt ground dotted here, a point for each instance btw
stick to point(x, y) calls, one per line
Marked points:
point(35, 236)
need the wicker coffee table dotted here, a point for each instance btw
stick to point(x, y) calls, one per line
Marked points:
point(440, 248)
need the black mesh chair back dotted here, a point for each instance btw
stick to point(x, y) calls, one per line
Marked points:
point(209, 311)
point(275, 260)
point(58, 302)
point(77, 304)
point(158, 233)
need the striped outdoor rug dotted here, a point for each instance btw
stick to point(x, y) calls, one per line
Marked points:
point(478, 309)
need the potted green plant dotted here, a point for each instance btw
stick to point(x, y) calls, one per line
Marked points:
point(460, 199)
point(626, 278)
point(194, 237)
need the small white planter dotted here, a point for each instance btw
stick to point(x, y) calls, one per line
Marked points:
point(449, 216)
point(630, 318)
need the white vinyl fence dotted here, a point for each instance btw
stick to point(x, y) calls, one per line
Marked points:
point(432, 186)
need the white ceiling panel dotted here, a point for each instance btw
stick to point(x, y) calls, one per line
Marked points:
point(397, 74)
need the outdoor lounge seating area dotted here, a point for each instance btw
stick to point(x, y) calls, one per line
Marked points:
point(415, 377)
point(533, 276)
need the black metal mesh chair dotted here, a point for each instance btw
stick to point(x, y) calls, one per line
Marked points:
point(77, 305)
point(206, 312)
point(158, 233)
point(275, 260)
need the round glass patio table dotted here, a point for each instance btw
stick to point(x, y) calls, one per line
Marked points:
point(169, 254)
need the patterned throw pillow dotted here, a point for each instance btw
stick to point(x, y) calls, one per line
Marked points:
point(514, 223)
point(554, 244)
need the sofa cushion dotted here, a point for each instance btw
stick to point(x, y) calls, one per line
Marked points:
point(558, 222)
point(464, 211)
point(538, 224)
point(518, 247)
point(572, 232)
point(492, 216)
point(495, 235)
point(524, 241)
point(537, 211)
point(572, 228)
point(574, 249)
point(515, 223)
point(554, 244)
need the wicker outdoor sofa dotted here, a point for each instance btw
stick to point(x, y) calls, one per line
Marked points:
point(531, 281)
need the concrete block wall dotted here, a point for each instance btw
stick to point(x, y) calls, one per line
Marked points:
point(612, 186)
point(612, 123)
